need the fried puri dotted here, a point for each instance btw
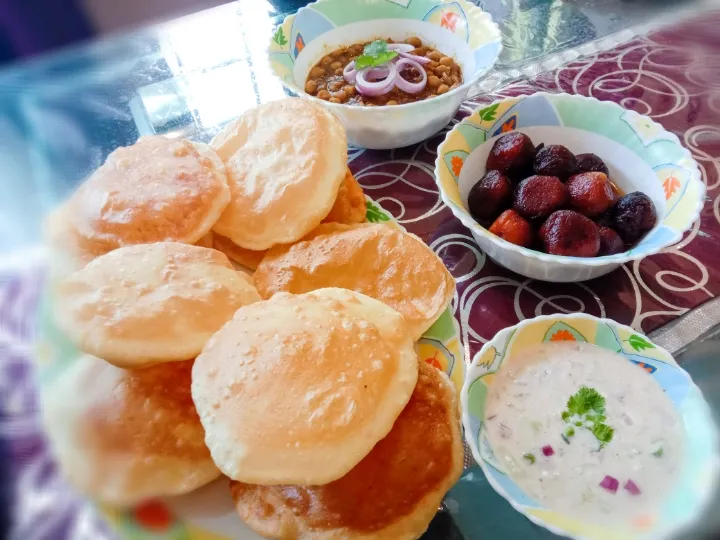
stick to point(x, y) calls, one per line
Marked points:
point(156, 190)
point(382, 262)
point(123, 436)
point(69, 252)
point(150, 303)
point(392, 494)
point(299, 388)
point(349, 208)
point(285, 161)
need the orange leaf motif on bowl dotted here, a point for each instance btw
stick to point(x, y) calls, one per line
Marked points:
point(449, 20)
point(457, 164)
point(670, 185)
point(562, 335)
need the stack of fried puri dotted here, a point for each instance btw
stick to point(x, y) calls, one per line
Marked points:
point(316, 407)
point(300, 383)
point(382, 262)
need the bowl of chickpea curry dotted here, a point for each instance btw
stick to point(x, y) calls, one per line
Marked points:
point(394, 75)
point(382, 72)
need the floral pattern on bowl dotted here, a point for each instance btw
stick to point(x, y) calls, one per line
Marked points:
point(640, 154)
point(701, 462)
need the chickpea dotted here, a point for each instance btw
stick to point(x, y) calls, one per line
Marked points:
point(414, 41)
point(349, 90)
point(446, 61)
point(432, 64)
point(336, 85)
point(434, 55)
point(340, 95)
point(316, 72)
point(392, 102)
point(338, 71)
point(323, 94)
point(433, 81)
point(334, 100)
point(442, 89)
point(355, 50)
point(441, 70)
point(455, 79)
point(311, 87)
point(336, 65)
point(419, 51)
point(455, 69)
point(446, 79)
point(455, 85)
point(327, 61)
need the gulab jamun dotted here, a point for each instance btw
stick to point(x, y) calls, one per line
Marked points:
point(590, 193)
point(490, 196)
point(610, 242)
point(512, 227)
point(570, 234)
point(555, 160)
point(513, 155)
point(539, 196)
point(633, 215)
point(591, 163)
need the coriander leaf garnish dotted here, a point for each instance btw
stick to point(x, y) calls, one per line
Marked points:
point(659, 452)
point(586, 400)
point(374, 54)
point(603, 433)
point(589, 405)
point(530, 458)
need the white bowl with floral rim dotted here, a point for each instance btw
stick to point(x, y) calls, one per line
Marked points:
point(639, 153)
point(455, 27)
point(697, 480)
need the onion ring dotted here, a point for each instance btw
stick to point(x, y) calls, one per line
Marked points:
point(418, 59)
point(405, 85)
point(376, 88)
point(400, 47)
point(350, 73)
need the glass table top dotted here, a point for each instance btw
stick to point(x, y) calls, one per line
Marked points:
point(61, 115)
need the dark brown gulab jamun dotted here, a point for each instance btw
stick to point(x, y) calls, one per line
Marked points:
point(591, 163)
point(610, 242)
point(571, 234)
point(590, 193)
point(513, 155)
point(539, 196)
point(490, 196)
point(555, 160)
point(633, 215)
point(514, 228)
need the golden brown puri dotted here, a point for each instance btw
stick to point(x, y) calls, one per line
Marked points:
point(392, 494)
point(299, 388)
point(349, 205)
point(285, 161)
point(158, 189)
point(150, 303)
point(123, 436)
point(349, 208)
point(68, 251)
point(382, 262)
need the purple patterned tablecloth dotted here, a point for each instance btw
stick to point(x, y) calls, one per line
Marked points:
point(672, 76)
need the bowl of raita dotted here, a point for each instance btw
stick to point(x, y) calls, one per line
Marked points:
point(589, 429)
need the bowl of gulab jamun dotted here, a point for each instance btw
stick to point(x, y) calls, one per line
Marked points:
point(394, 74)
point(566, 188)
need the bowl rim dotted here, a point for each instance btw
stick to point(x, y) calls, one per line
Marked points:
point(475, 10)
point(563, 260)
point(712, 469)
